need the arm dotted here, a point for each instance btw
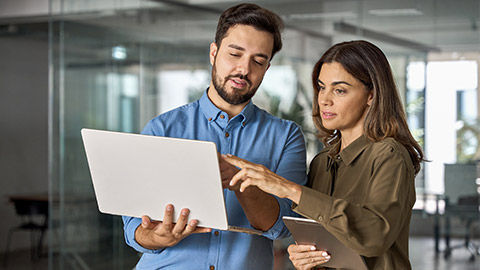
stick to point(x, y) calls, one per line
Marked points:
point(250, 199)
point(263, 210)
point(370, 228)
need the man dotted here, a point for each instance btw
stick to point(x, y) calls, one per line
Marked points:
point(247, 38)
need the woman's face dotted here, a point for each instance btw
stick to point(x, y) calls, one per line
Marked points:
point(343, 100)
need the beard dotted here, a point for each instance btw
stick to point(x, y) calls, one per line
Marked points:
point(236, 96)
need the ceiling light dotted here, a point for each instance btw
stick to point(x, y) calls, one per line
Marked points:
point(396, 12)
point(327, 15)
point(119, 52)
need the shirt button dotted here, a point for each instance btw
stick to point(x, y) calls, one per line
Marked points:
point(339, 157)
point(216, 233)
point(226, 134)
point(243, 123)
point(320, 218)
point(210, 119)
point(222, 116)
point(212, 267)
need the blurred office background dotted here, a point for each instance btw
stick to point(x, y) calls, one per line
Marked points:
point(69, 64)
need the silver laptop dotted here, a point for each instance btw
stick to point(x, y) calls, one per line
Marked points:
point(135, 175)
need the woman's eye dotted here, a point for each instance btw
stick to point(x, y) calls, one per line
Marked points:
point(340, 91)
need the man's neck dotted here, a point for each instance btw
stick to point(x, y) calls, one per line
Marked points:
point(219, 102)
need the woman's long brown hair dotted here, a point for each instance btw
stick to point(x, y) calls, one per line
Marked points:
point(386, 115)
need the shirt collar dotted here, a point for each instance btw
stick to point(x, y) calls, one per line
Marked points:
point(211, 111)
point(351, 152)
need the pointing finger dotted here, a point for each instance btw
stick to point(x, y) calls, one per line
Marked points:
point(236, 161)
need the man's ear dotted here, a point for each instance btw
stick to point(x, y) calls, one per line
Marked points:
point(213, 52)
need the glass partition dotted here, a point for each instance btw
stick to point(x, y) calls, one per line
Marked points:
point(117, 64)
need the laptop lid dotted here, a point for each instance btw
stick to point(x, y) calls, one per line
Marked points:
point(135, 175)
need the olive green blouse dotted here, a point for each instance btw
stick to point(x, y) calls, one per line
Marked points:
point(364, 195)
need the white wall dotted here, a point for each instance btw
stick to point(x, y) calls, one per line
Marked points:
point(23, 126)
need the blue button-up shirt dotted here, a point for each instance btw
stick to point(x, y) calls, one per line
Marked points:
point(254, 135)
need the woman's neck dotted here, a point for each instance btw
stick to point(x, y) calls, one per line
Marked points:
point(347, 139)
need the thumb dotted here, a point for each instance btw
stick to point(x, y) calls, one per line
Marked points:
point(147, 223)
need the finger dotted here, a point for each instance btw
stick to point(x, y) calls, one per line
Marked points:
point(309, 258)
point(190, 228)
point(226, 184)
point(168, 217)
point(239, 176)
point(309, 254)
point(181, 222)
point(236, 161)
point(202, 230)
point(311, 262)
point(300, 248)
point(245, 184)
point(147, 223)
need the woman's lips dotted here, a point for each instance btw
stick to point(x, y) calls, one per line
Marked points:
point(328, 115)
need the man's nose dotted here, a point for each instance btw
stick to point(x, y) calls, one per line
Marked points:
point(243, 66)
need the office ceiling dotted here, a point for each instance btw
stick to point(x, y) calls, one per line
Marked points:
point(405, 26)
point(423, 26)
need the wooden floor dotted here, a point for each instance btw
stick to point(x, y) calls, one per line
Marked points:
point(422, 257)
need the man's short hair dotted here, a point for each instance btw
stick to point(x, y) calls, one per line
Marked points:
point(253, 15)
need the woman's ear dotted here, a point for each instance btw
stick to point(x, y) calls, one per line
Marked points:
point(370, 99)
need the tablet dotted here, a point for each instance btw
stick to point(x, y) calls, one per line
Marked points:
point(309, 232)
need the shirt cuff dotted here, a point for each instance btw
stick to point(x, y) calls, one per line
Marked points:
point(314, 205)
point(279, 230)
point(131, 225)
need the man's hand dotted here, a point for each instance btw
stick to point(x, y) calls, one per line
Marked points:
point(157, 234)
point(227, 171)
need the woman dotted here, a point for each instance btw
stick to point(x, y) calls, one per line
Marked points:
point(361, 185)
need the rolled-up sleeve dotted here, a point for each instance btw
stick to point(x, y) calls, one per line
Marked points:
point(130, 225)
point(292, 166)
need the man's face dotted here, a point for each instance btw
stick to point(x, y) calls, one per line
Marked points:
point(240, 63)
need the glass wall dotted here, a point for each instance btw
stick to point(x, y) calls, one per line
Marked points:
point(117, 64)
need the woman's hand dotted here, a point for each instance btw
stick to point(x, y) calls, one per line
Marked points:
point(306, 257)
point(252, 174)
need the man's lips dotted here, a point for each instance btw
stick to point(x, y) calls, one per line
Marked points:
point(238, 83)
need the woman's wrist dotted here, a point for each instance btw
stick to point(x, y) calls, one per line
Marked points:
point(295, 192)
